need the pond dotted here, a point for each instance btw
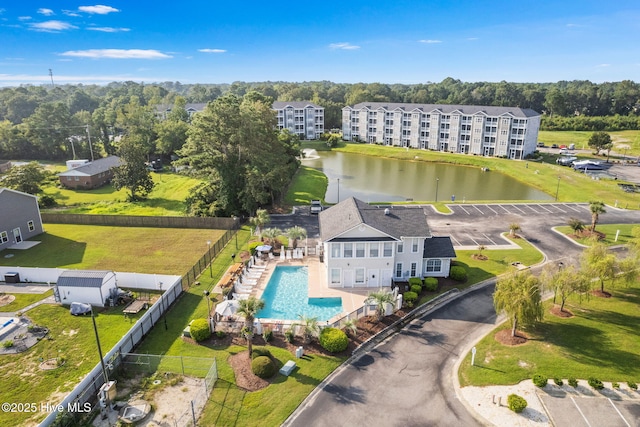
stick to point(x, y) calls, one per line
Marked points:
point(376, 179)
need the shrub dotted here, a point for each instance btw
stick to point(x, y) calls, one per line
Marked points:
point(260, 351)
point(595, 383)
point(558, 381)
point(253, 245)
point(288, 335)
point(615, 385)
point(267, 334)
point(263, 367)
point(221, 334)
point(333, 340)
point(416, 288)
point(632, 385)
point(516, 403)
point(7, 344)
point(431, 284)
point(540, 380)
point(415, 281)
point(410, 298)
point(573, 382)
point(458, 273)
point(199, 330)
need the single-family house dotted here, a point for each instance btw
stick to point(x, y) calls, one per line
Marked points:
point(371, 246)
point(19, 217)
point(86, 286)
point(90, 175)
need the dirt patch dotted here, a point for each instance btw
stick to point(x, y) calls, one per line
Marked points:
point(555, 310)
point(600, 294)
point(504, 337)
point(588, 234)
point(6, 300)
point(245, 378)
point(70, 333)
point(479, 257)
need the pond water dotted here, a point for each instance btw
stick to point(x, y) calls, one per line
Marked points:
point(376, 179)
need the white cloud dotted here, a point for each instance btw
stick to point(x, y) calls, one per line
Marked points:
point(109, 29)
point(98, 9)
point(14, 79)
point(117, 54)
point(46, 12)
point(52, 26)
point(430, 41)
point(24, 18)
point(70, 13)
point(343, 46)
point(2, 10)
point(212, 50)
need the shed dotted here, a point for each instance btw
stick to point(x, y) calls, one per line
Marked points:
point(90, 287)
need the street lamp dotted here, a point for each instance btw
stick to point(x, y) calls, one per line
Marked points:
point(210, 266)
point(235, 227)
point(557, 189)
point(95, 329)
point(338, 190)
point(206, 295)
point(233, 258)
point(437, 182)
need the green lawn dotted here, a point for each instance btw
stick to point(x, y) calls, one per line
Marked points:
point(166, 198)
point(600, 341)
point(23, 300)
point(143, 250)
point(610, 233)
point(307, 184)
point(630, 138)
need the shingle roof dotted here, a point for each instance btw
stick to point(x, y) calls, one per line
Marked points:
point(197, 106)
point(93, 168)
point(83, 278)
point(278, 105)
point(446, 109)
point(400, 222)
point(438, 247)
point(17, 192)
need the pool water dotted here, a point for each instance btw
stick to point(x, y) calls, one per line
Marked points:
point(286, 297)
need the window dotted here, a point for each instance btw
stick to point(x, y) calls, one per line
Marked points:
point(4, 237)
point(348, 250)
point(399, 269)
point(31, 225)
point(335, 275)
point(374, 250)
point(359, 250)
point(434, 265)
point(414, 246)
point(414, 266)
point(69, 178)
point(387, 249)
point(400, 247)
point(335, 250)
point(360, 275)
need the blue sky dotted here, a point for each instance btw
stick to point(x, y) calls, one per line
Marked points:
point(398, 41)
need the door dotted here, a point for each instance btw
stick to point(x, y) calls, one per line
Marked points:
point(373, 279)
point(386, 278)
point(17, 235)
point(347, 278)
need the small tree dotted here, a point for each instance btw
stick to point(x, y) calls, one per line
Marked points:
point(260, 220)
point(28, 178)
point(271, 235)
point(514, 227)
point(294, 233)
point(350, 326)
point(380, 299)
point(565, 282)
point(519, 297)
point(600, 141)
point(598, 263)
point(132, 174)
point(310, 328)
point(248, 309)
point(576, 225)
point(596, 208)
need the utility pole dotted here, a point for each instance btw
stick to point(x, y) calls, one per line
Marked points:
point(90, 146)
point(51, 75)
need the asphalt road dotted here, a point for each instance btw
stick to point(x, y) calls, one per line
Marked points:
point(407, 379)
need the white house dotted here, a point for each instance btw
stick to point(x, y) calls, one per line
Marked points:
point(370, 246)
point(90, 287)
point(303, 118)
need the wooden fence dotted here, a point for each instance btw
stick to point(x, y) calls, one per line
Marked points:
point(142, 221)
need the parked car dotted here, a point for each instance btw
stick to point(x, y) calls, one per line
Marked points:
point(316, 206)
point(554, 145)
point(540, 144)
point(566, 160)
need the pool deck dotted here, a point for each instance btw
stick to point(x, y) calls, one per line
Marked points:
point(352, 299)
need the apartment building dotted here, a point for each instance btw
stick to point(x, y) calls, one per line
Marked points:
point(301, 117)
point(470, 129)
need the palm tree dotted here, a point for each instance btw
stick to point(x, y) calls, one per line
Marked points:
point(350, 326)
point(576, 225)
point(248, 308)
point(271, 234)
point(513, 228)
point(310, 328)
point(519, 297)
point(380, 299)
point(294, 233)
point(261, 218)
point(596, 208)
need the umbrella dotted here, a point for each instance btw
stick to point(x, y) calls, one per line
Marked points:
point(263, 248)
point(227, 307)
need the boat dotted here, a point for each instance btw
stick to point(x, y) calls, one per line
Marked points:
point(585, 165)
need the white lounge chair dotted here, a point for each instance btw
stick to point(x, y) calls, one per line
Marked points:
point(271, 255)
point(282, 258)
point(288, 254)
point(240, 296)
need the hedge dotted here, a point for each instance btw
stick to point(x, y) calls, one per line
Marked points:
point(260, 351)
point(431, 284)
point(199, 330)
point(540, 380)
point(416, 288)
point(516, 403)
point(595, 383)
point(458, 273)
point(333, 340)
point(263, 367)
point(415, 281)
point(410, 298)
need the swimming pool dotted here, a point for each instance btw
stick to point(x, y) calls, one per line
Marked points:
point(286, 297)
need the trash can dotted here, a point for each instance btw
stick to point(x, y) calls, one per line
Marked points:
point(12, 277)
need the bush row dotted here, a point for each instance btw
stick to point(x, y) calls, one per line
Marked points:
point(541, 381)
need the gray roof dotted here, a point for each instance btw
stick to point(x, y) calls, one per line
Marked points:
point(279, 105)
point(83, 278)
point(447, 109)
point(196, 106)
point(438, 247)
point(402, 221)
point(93, 168)
point(9, 190)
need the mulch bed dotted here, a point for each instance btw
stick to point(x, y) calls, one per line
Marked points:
point(504, 337)
point(555, 310)
point(479, 257)
point(600, 294)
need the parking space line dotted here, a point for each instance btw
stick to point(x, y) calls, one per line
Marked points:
point(580, 410)
point(619, 413)
point(492, 209)
point(572, 207)
point(476, 206)
point(548, 210)
point(489, 239)
point(531, 207)
point(557, 206)
point(473, 240)
point(515, 207)
point(505, 209)
point(465, 211)
point(457, 243)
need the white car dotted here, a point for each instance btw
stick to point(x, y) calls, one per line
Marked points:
point(316, 206)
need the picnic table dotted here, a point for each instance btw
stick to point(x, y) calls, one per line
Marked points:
point(231, 275)
point(136, 306)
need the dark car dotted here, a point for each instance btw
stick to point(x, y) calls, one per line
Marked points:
point(554, 145)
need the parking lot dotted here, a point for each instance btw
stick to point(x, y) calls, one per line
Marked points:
point(576, 410)
point(519, 209)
